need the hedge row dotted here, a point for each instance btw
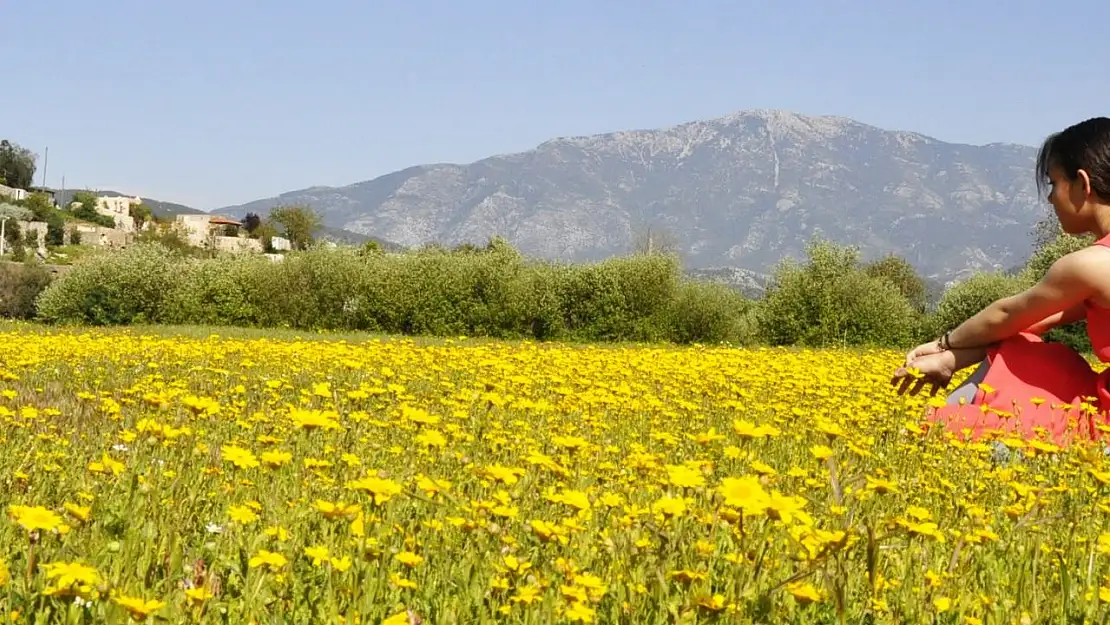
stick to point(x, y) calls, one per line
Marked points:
point(830, 299)
point(493, 293)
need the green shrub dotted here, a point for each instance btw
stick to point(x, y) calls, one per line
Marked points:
point(831, 300)
point(111, 288)
point(491, 291)
point(216, 293)
point(1037, 265)
point(20, 285)
point(1073, 335)
point(903, 276)
point(709, 313)
point(966, 298)
point(620, 298)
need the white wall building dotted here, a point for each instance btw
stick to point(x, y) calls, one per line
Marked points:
point(119, 209)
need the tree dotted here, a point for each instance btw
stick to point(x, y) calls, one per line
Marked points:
point(1048, 252)
point(251, 223)
point(140, 213)
point(901, 273)
point(654, 240)
point(265, 233)
point(831, 300)
point(43, 210)
point(85, 210)
point(300, 224)
point(17, 165)
point(1046, 231)
point(40, 205)
point(10, 212)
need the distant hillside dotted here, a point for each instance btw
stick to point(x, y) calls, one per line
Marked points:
point(745, 190)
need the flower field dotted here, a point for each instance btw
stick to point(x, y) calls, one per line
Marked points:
point(261, 480)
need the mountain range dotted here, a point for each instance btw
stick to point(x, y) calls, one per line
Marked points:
point(734, 194)
point(741, 191)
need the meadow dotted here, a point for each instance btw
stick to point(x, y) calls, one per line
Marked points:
point(260, 477)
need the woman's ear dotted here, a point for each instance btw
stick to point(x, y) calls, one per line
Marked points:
point(1082, 184)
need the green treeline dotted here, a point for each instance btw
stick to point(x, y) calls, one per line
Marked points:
point(829, 298)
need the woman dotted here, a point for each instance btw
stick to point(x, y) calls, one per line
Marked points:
point(1023, 385)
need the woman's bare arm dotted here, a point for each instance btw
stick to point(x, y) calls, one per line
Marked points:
point(1071, 315)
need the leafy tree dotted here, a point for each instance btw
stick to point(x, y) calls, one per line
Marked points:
point(251, 223)
point(901, 273)
point(86, 199)
point(964, 299)
point(265, 233)
point(11, 212)
point(17, 165)
point(39, 204)
point(654, 240)
point(300, 224)
point(370, 248)
point(85, 210)
point(831, 300)
point(1046, 231)
point(141, 213)
point(43, 210)
point(1048, 252)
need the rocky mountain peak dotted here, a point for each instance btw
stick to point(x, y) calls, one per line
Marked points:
point(743, 190)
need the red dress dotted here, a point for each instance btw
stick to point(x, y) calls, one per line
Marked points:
point(1035, 389)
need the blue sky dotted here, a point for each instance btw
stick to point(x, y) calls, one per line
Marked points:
point(211, 103)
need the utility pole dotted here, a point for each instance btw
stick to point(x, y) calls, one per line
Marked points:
point(45, 162)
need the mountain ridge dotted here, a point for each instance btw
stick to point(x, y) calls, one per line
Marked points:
point(743, 190)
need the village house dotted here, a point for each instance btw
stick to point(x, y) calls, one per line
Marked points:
point(206, 231)
point(217, 233)
point(119, 209)
point(12, 193)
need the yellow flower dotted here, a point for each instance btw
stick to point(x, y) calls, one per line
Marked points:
point(242, 514)
point(382, 490)
point(821, 452)
point(332, 511)
point(33, 518)
point(745, 493)
point(272, 560)
point(137, 607)
point(684, 476)
point(275, 459)
point(315, 419)
point(579, 612)
point(669, 506)
point(242, 458)
point(67, 574)
point(574, 498)
point(408, 558)
point(198, 594)
point(398, 618)
point(803, 592)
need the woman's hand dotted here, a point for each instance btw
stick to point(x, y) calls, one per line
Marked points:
point(935, 368)
point(925, 349)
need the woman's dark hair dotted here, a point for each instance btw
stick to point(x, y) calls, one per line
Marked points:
point(1085, 146)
